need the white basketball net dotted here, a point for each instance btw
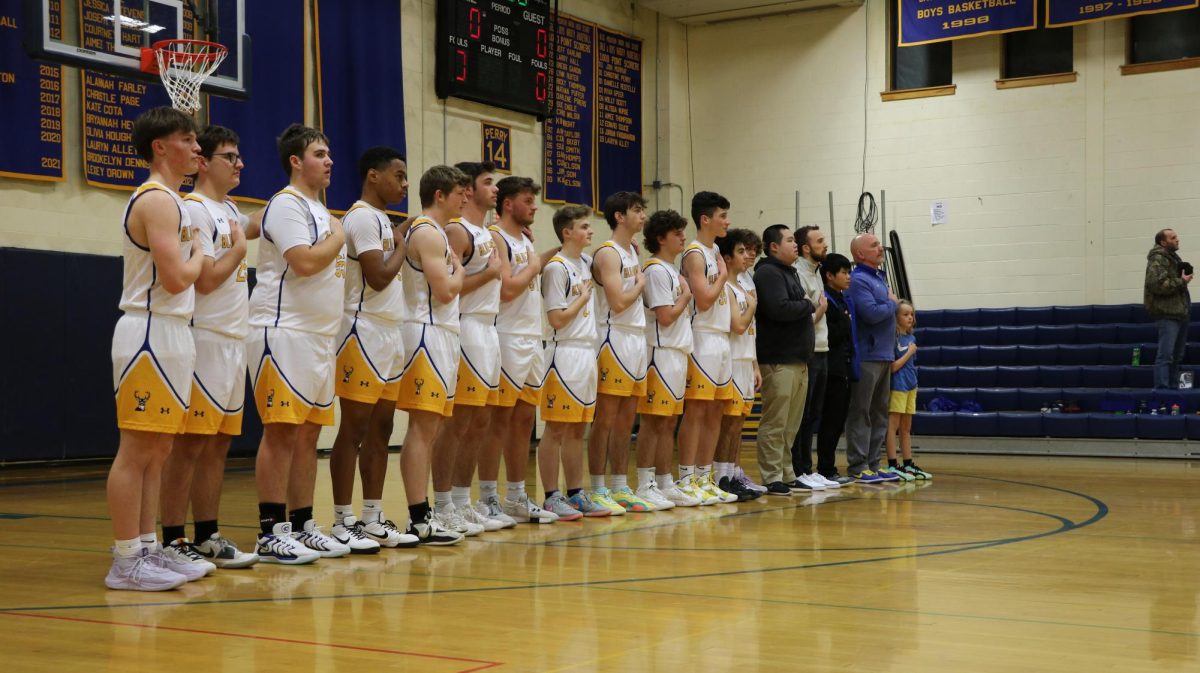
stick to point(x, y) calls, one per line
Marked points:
point(184, 66)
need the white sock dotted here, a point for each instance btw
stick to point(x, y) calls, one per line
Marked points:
point(461, 495)
point(645, 476)
point(441, 499)
point(704, 470)
point(149, 540)
point(686, 471)
point(372, 511)
point(597, 482)
point(723, 469)
point(128, 548)
point(665, 481)
point(619, 481)
point(516, 489)
point(341, 513)
point(486, 488)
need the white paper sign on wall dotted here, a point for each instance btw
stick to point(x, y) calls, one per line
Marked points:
point(938, 213)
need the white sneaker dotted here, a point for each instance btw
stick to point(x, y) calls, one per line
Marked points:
point(387, 534)
point(679, 498)
point(814, 484)
point(178, 556)
point(828, 483)
point(281, 547)
point(472, 515)
point(350, 534)
point(312, 538)
point(490, 507)
point(138, 573)
point(224, 554)
point(523, 510)
point(430, 532)
point(652, 495)
point(449, 518)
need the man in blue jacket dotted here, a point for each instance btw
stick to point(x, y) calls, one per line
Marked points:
point(874, 310)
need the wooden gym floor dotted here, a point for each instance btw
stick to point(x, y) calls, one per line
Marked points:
point(999, 564)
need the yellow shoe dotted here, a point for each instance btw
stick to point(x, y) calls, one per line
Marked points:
point(700, 486)
point(603, 497)
point(724, 495)
point(627, 499)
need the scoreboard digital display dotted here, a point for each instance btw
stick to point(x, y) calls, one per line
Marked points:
point(495, 52)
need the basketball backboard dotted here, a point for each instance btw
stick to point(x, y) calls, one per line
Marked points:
point(108, 35)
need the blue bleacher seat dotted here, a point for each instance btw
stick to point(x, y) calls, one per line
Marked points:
point(1112, 426)
point(1034, 315)
point(1078, 354)
point(977, 377)
point(1065, 425)
point(1088, 399)
point(1029, 356)
point(1015, 377)
point(1011, 335)
point(978, 336)
point(976, 425)
point(1195, 312)
point(1058, 377)
point(1137, 313)
point(938, 377)
point(1105, 333)
point(961, 317)
point(999, 316)
point(1112, 313)
point(1100, 376)
point(1193, 427)
point(925, 394)
point(931, 318)
point(998, 356)
point(1193, 353)
point(1161, 427)
point(965, 356)
point(1036, 399)
point(1020, 424)
point(939, 336)
point(1055, 334)
point(933, 423)
point(1072, 315)
point(1116, 354)
point(956, 395)
point(998, 399)
point(932, 355)
point(1132, 333)
point(1129, 399)
point(1139, 377)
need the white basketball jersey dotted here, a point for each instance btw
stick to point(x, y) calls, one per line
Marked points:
point(368, 228)
point(420, 306)
point(663, 288)
point(225, 310)
point(282, 297)
point(632, 317)
point(485, 299)
point(141, 288)
point(741, 346)
point(563, 280)
point(523, 315)
point(716, 318)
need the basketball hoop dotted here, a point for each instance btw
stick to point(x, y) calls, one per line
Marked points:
point(183, 66)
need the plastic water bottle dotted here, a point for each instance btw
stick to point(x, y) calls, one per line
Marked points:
point(1174, 409)
point(1137, 356)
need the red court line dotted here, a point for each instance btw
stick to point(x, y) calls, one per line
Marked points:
point(358, 648)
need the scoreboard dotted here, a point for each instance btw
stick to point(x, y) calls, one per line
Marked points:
point(495, 52)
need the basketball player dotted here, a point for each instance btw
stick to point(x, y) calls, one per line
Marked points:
point(432, 280)
point(367, 372)
point(622, 353)
point(669, 337)
point(295, 314)
point(196, 467)
point(735, 248)
point(152, 352)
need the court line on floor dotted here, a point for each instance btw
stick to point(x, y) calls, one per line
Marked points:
point(486, 664)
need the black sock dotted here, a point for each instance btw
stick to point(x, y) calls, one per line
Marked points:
point(300, 516)
point(269, 514)
point(908, 462)
point(550, 494)
point(572, 492)
point(892, 462)
point(418, 512)
point(172, 533)
point(205, 530)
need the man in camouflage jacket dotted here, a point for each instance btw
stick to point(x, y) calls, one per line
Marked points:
point(1169, 304)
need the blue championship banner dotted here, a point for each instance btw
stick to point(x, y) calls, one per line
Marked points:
point(31, 103)
point(1071, 12)
point(111, 102)
point(926, 21)
point(569, 131)
point(277, 71)
point(360, 88)
point(497, 146)
point(618, 114)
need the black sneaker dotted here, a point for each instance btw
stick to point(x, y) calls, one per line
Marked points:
point(730, 485)
point(778, 488)
point(432, 533)
point(841, 479)
point(798, 486)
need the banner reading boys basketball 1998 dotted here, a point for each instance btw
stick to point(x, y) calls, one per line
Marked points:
point(1070, 12)
point(925, 21)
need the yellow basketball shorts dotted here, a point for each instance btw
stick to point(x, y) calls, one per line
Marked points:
point(292, 374)
point(710, 368)
point(665, 380)
point(622, 360)
point(521, 369)
point(479, 366)
point(152, 358)
point(370, 358)
point(430, 375)
point(569, 383)
point(743, 385)
point(902, 402)
point(218, 384)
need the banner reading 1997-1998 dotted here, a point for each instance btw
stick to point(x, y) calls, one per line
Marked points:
point(925, 21)
point(1070, 12)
